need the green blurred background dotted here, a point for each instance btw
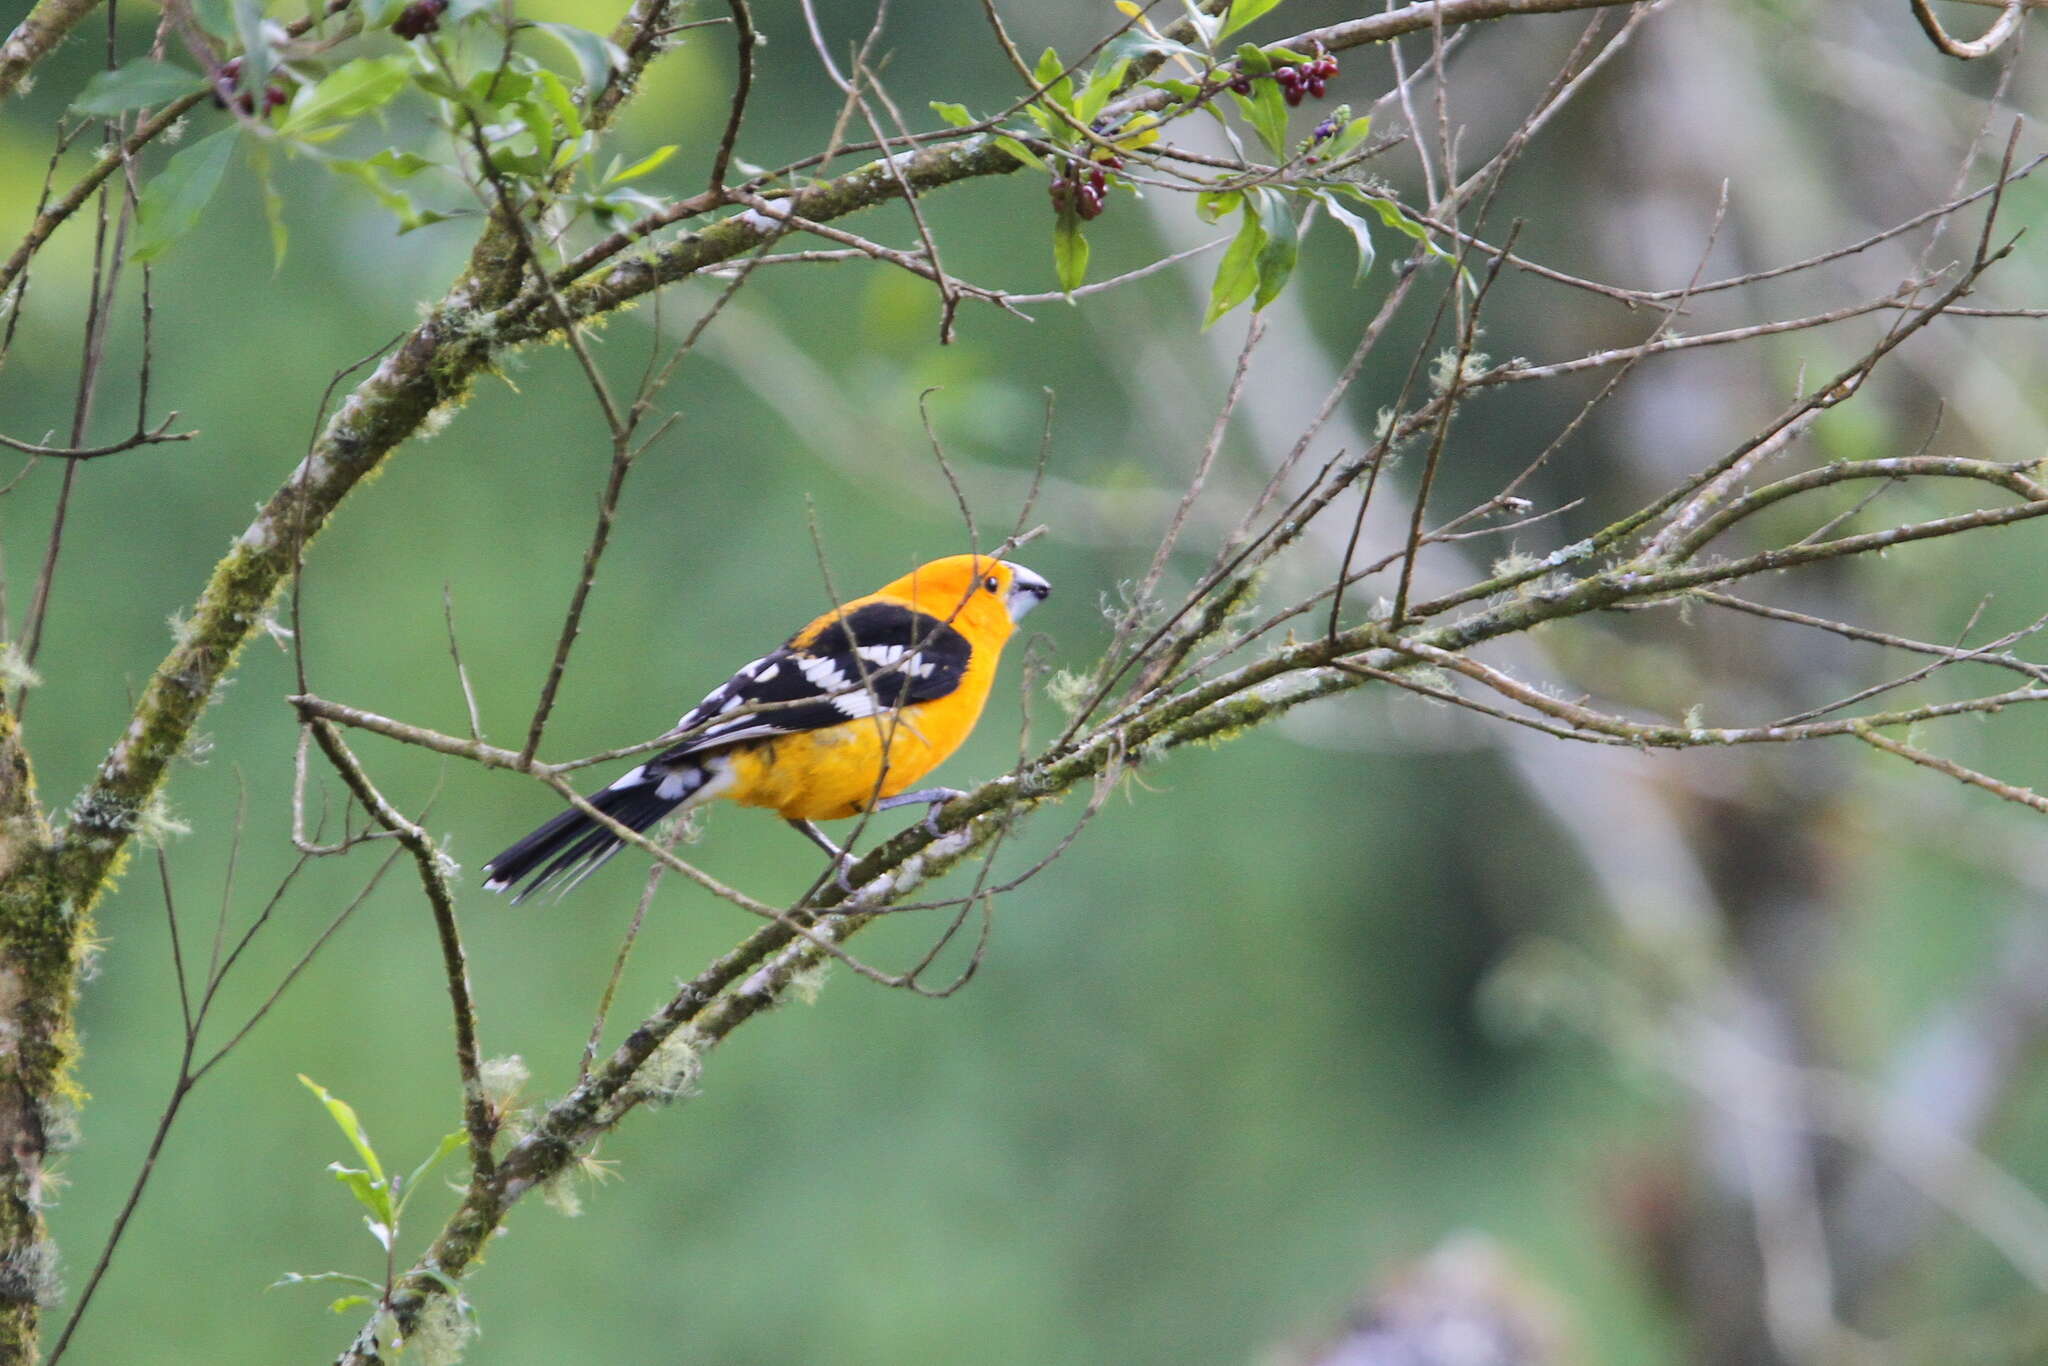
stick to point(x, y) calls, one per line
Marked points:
point(1236, 1055)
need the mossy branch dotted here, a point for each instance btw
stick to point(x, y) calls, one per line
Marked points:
point(36, 37)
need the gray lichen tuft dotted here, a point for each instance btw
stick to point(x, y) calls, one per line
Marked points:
point(442, 1334)
point(671, 1070)
point(30, 1275)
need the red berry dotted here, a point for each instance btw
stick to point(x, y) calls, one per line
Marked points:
point(1087, 201)
point(419, 18)
point(1327, 67)
point(1241, 83)
point(1316, 86)
point(1288, 77)
point(1292, 94)
point(1099, 183)
point(273, 96)
point(1062, 192)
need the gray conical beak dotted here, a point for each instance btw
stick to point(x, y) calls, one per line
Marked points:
point(1027, 590)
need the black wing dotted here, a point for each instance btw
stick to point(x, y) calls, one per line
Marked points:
point(875, 658)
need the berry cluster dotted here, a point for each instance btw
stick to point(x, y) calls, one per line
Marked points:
point(227, 90)
point(1086, 194)
point(1310, 78)
point(419, 18)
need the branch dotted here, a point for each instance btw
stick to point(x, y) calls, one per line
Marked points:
point(478, 1118)
point(36, 37)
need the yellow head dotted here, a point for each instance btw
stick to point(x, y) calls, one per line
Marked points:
point(987, 594)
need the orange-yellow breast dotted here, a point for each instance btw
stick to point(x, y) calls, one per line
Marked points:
point(836, 771)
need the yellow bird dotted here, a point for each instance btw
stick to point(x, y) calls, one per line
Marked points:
point(857, 707)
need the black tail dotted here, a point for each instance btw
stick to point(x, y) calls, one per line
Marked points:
point(573, 845)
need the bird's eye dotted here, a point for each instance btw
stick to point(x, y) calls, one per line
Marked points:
point(992, 583)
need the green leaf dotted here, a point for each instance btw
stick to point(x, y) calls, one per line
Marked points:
point(296, 1278)
point(597, 57)
point(366, 174)
point(369, 1192)
point(1107, 80)
point(1237, 274)
point(1395, 217)
point(173, 201)
point(1243, 12)
point(425, 218)
point(1265, 109)
point(955, 114)
point(349, 91)
point(448, 1144)
point(1050, 125)
point(650, 162)
point(1180, 90)
point(1049, 68)
point(491, 91)
point(1211, 205)
point(1135, 43)
point(1021, 152)
point(402, 164)
point(437, 85)
point(1069, 250)
point(1361, 233)
point(561, 101)
point(134, 86)
point(539, 122)
point(345, 1119)
point(1252, 60)
point(1283, 248)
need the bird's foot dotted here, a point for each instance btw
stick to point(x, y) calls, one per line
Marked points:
point(933, 797)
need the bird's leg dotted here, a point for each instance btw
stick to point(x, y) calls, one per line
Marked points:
point(933, 797)
point(841, 860)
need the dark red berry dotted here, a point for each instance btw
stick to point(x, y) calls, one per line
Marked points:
point(419, 18)
point(1288, 77)
point(1316, 86)
point(273, 96)
point(1241, 83)
point(1062, 192)
point(1099, 183)
point(226, 78)
point(1112, 161)
point(1087, 201)
point(1292, 94)
point(1326, 67)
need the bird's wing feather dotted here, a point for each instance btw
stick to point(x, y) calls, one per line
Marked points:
point(874, 658)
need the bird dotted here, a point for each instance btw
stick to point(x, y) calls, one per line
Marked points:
point(844, 718)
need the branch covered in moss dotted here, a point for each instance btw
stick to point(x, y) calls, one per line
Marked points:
point(36, 37)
